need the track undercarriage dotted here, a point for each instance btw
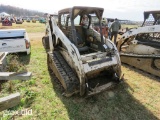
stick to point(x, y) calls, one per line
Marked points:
point(63, 72)
point(69, 80)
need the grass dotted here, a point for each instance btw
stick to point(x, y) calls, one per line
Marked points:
point(137, 98)
point(30, 27)
point(39, 27)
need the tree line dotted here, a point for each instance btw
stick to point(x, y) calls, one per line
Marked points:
point(19, 11)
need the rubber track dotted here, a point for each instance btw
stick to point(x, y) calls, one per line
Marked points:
point(68, 75)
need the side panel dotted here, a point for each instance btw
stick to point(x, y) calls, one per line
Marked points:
point(146, 29)
point(142, 50)
point(12, 45)
point(149, 65)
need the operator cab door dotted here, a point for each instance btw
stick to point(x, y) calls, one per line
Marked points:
point(64, 23)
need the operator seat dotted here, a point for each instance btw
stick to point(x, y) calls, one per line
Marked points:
point(81, 42)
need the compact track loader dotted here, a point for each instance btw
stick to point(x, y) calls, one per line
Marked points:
point(82, 59)
point(140, 47)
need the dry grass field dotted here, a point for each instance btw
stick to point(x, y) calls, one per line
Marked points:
point(30, 27)
point(136, 98)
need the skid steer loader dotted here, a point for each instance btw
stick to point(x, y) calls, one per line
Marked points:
point(140, 47)
point(82, 59)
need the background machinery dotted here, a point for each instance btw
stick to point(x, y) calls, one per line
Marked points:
point(6, 22)
point(33, 20)
point(19, 21)
point(140, 47)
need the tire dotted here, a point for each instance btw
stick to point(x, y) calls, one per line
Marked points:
point(45, 42)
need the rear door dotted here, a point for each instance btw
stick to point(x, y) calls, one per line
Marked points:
point(12, 41)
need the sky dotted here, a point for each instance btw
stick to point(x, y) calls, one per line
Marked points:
point(121, 9)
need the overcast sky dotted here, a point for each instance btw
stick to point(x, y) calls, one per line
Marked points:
point(121, 9)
